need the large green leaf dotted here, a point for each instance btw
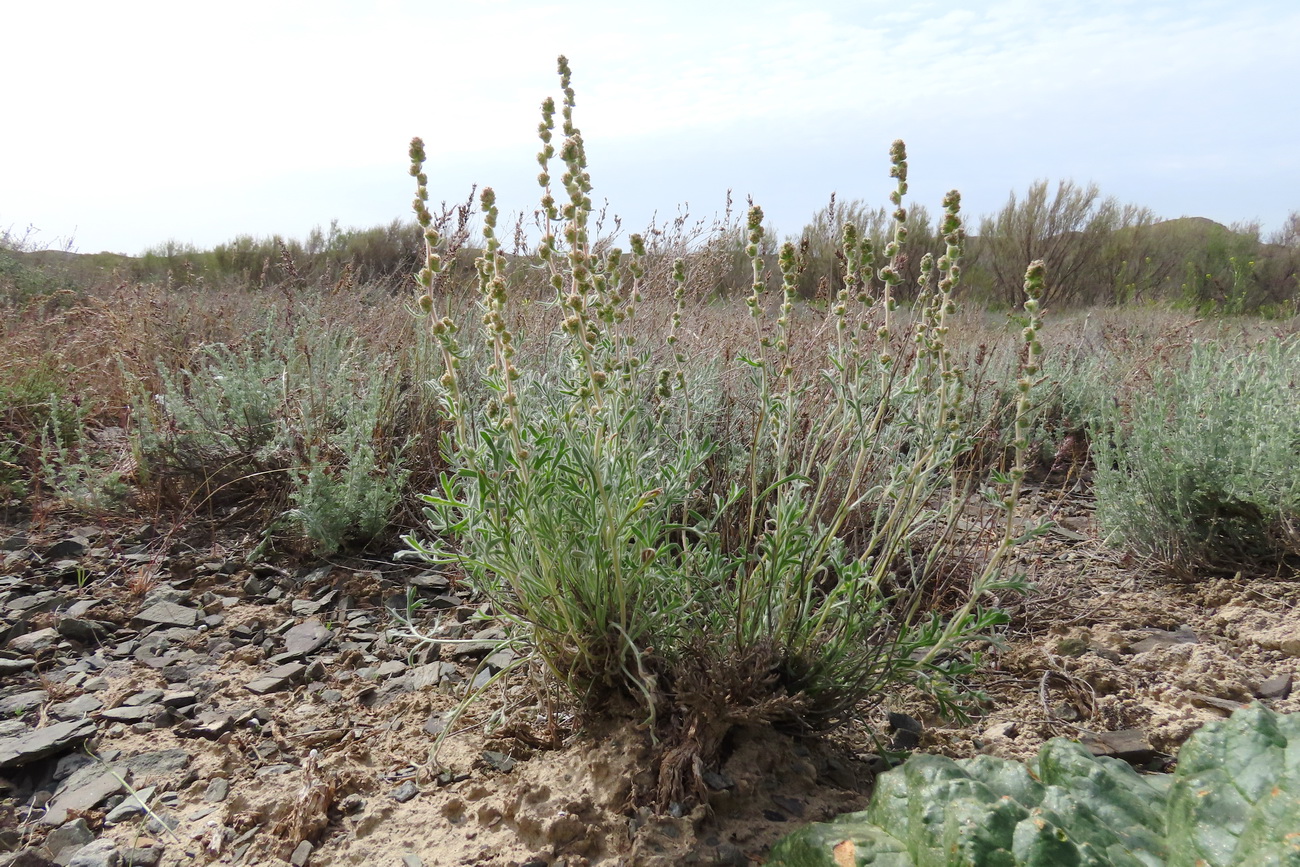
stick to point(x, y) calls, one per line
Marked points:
point(1234, 799)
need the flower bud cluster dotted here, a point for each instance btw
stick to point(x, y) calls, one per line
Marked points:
point(753, 249)
point(442, 328)
point(1035, 277)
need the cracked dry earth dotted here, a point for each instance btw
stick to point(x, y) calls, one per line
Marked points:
point(163, 703)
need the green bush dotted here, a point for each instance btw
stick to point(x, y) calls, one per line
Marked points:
point(13, 477)
point(1234, 799)
point(783, 582)
point(81, 474)
point(1200, 469)
point(32, 408)
point(26, 275)
point(313, 417)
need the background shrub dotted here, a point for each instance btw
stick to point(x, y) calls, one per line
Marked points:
point(1199, 468)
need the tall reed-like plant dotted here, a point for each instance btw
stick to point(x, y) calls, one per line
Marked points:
point(820, 569)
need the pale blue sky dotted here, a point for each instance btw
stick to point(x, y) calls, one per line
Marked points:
point(132, 123)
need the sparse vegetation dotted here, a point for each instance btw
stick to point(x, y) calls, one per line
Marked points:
point(711, 478)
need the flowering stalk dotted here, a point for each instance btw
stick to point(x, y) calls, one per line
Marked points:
point(891, 272)
point(988, 579)
point(442, 327)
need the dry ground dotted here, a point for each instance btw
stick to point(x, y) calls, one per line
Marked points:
point(343, 757)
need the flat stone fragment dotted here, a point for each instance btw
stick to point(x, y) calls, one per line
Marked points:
point(82, 705)
point(217, 790)
point(46, 600)
point(72, 547)
point(305, 638)
point(12, 728)
point(500, 660)
point(907, 731)
point(1223, 704)
point(210, 724)
point(26, 857)
point(471, 648)
point(391, 668)
point(1130, 745)
point(143, 697)
point(165, 614)
point(1157, 638)
point(79, 608)
point(176, 698)
point(278, 678)
point(425, 676)
point(156, 766)
point(82, 791)
point(305, 607)
point(132, 806)
point(1278, 686)
point(129, 714)
point(101, 853)
point(1002, 730)
point(430, 581)
point(14, 666)
point(141, 856)
point(34, 642)
point(498, 761)
point(71, 835)
point(85, 631)
point(301, 854)
point(22, 702)
point(405, 792)
point(16, 752)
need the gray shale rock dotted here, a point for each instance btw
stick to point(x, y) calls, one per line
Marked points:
point(27, 857)
point(21, 702)
point(85, 789)
point(165, 614)
point(85, 631)
point(279, 678)
point(217, 790)
point(1278, 686)
point(154, 767)
point(133, 806)
point(67, 548)
point(15, 666)
point(140, 856)
point(405, 792)
point(1130, 745)
point(21, 750)
point(34, 642)
point(305, 638)
point(70, 835)
point(37, 603)
point(101, 853)
point(154, 713)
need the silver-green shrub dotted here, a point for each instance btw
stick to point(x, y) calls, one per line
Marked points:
point(1201, 470)
point(783, 579)
point(310, 417)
